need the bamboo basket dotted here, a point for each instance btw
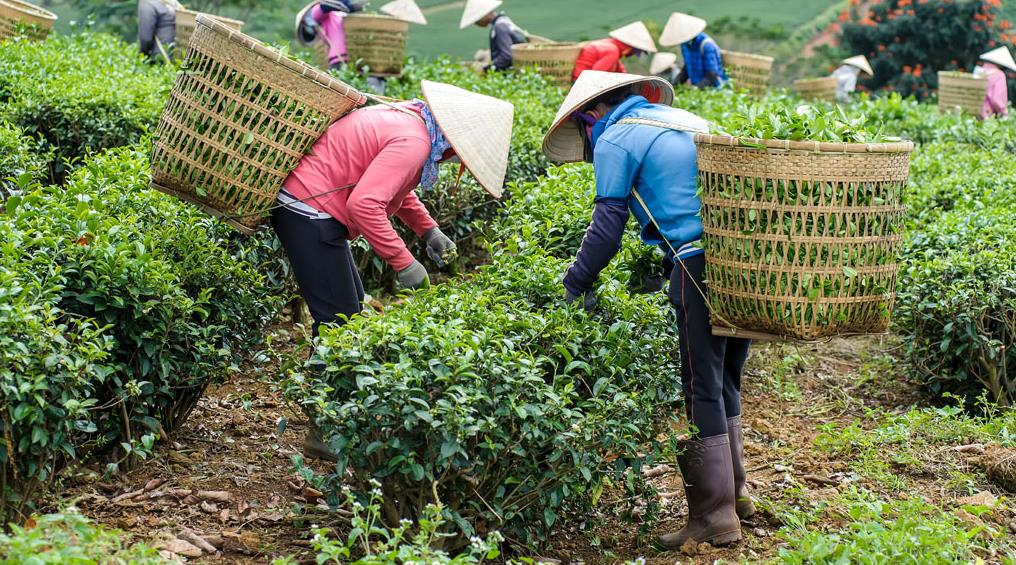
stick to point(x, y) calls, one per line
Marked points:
point(748, 71)
point(801, 238)
point(15, 12)
point(185, 22)
point(377, 42)
point(238, 122)
point(817, 88)
point(961, 91)
point(556, 61)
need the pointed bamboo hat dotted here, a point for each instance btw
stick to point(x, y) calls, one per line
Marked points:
point(637, 35)
point(476, 9)
point(661, 62)
point(563, 142)
point(1001, 56)
point(478, 127)
point(681, 28)
point(405, 10)
point(860, 62)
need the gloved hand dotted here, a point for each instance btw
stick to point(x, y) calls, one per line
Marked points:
point(414, 277)
point(440, 248)
point(588, 299)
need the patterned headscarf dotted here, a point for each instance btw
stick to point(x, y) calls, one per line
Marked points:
point(438, 145)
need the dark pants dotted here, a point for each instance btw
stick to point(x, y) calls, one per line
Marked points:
point(319, 253)
point(710, 366)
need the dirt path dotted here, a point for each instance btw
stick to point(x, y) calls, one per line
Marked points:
point(233, 443)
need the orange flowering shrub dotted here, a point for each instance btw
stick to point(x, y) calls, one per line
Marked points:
point(908, 41)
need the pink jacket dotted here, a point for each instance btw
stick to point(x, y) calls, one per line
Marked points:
point(382, 151)
point(333, 30)
point(996, 99)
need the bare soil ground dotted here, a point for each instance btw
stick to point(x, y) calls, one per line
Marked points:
point(258, 509)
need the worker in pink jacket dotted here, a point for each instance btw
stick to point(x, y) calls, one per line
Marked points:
point(364, 171)
point(993, 65)
point(606, 54)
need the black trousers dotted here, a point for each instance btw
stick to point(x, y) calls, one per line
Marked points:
point(711, 366)
point(319, 252)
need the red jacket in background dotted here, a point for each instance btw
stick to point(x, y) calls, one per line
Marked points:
point(601, 55)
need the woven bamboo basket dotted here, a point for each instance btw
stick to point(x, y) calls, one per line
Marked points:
point(377, 42)
point(556, 61)
point(748, 71)
point(801, 238)
point(961, 91)
point(817, 88)
point(185, 22)
point(15, 12)
point(238, 122)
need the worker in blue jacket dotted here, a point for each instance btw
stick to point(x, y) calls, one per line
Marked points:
point(703, 60)
point(644, 159)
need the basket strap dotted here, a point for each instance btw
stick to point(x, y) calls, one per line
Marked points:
point(659, 124)
point(391, 103)
point(264, 211)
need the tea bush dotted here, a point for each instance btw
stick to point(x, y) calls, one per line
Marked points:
point(21, 158)
point(153, 298)
point(80, 93)
point(69, 537)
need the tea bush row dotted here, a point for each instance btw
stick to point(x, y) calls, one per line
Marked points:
point(21, 158)
point(120, 306)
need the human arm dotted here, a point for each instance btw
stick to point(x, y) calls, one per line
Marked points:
point(397, 166)
point(148, 21)
point(709, 79)
point(501, 48)
point(682, 77)
point(608, 61)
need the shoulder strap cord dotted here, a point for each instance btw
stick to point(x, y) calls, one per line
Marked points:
point(645, 208)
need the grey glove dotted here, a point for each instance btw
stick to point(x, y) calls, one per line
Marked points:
point(588, 299)
point(440, 248)
point(414, 277)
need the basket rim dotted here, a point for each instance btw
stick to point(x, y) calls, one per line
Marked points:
point(810, 146)
point(746, 55)
point(216, 16)
point(815, 80)
point(548, 46)
point(30, 9)
point(278, 58)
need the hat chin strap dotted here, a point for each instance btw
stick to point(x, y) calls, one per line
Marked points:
point(458, 179)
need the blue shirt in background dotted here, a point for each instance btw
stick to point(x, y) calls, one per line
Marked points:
point(701, 56)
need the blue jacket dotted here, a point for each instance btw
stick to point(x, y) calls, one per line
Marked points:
point(661, 164)
point(702, 55)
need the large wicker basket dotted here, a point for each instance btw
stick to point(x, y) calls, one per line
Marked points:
point(961, 91)
point(377, 42)
point(556, 61)
point(748, 71)
point(185, 22)
point(817, 88)
point(15, 12)
point(238, 121)
point(801, 238)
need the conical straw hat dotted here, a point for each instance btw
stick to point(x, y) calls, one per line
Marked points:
point(681, 28)
point(476, 9)
point(1001, 56)
point(478, 127)
point(563, 142)
point(405, 10)
point(299, 18)
point(661, 62)
point(637, 35)
point(860, 62)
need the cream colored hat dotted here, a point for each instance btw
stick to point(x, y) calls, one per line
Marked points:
point(661, 62)
point(1001, 56)
point(478, 127)
point(681, 28)
point(860, 62)
point(563, 142)
point(476, 9)
point(637, 35)
point(405, 10)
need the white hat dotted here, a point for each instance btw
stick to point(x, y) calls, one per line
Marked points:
point(1001, 56)
point(563, 142)
point(681, 28)
point(662, 61)
point(637, 35)
point(478, 127)
point(860, 62)
point(405, 10)
point(476, 9)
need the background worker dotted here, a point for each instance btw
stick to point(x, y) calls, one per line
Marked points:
point(157, 26)
point(326, 20)
point(703, 61)
point(664, 65)
point(605, 55)
point(996, 98)
point(503, 31)
point(847, 74)
point(649, 170)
